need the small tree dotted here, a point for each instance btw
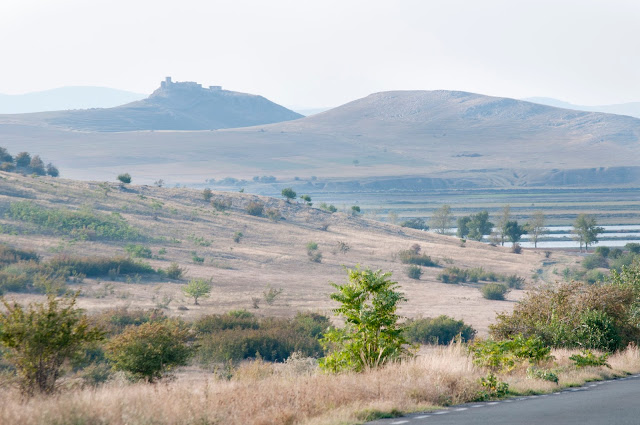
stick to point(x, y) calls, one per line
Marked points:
point(479, 225)
point(197, 288)
point(36, 165)
point(503, 222)
point(355, 210)
point(514, 231)
point(463, 227)
point(207, 194)
point(125, 178)
point(39, 339)
point(536, 227)
point(306, 199)
point(23, 159)
point(52, 170)
point(372, 335)
point(150, 350)
point(441, 219)
point(5, 156)
point(289, 194)
point(586, 231)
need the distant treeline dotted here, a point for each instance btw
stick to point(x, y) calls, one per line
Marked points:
point(24, 163)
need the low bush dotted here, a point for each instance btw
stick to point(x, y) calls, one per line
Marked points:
point(255, 208)
point(9, 255)
point(633, 247)
point(576, 314)
point(115, 321)
point(478, 274)
point(588, 358)
point(138, 251)
point(415, 223)
point(602, 251)
point(595, 261)
point(411, 257)
point(440, 330)
point(221, 204)
point(494, 291)
point(273, 214)
point(505, 355)
point(414, 272)
point(83, 224)
point(174, 271)
point(229, 338)
point(99, 266)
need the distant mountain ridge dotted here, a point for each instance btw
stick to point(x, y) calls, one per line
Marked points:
point(65, 98)
point(632, 108)
point(173, 106)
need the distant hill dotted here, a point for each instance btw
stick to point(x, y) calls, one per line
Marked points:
point(405, 140)
point(174, 106)
point(64, 98)
point(632, 109)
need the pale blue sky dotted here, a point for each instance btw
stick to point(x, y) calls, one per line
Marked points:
point(324, 53)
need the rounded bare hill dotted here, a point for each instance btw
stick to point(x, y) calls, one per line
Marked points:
point(174, 106)
point(444, 113)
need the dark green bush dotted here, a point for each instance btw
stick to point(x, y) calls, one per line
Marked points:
point(114, 321)
point(441, 330)
point(602, 251)
point(227, 338)
point(594, 262)
point(411, 257)
point(10, 255)
point(415, 223)
point(633, 247)
point(99, 266)
point(624, 260)
point(174, 271)
point(494, 291)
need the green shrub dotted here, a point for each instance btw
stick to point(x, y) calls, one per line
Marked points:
point(150, 350)
point(83, 224)
point(237, 236)
point(221, 204)
point(633, 247)
point(588, 358)
point(414, 272)
point(602, 251)
point(492, 388)
point(615, 253)
point(515, 282)
point(505, 355)
point(411, 257)
point(196, 259)
point(174, 271)
point(544, 374)
point(273, 214)
point(207, 194)
point(10, 255)
point(494, 291)
point(115, 321)
point(125, 178)
point(255, 208)
point(99, 266)
point(576, 314)
point(441, 330)
point(595, 261)
point(415, 223)
point(624, 260)
point(138, 251)
point(227, 338)
point(594, 276)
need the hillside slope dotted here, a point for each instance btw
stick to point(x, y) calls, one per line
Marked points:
point(178, 225)
point(174, 106)
point(412, 139)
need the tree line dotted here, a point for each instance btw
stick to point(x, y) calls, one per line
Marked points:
point(24, 163)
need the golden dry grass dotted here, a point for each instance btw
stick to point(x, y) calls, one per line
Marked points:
point(293, 393)
point(269, 253)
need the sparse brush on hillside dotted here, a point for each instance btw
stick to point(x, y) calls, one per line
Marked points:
point(26, 164)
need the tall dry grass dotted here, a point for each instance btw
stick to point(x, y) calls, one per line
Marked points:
point(294, 393)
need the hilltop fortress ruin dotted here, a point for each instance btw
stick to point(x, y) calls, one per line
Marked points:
point(168, 84)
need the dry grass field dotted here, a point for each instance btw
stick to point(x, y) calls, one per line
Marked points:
point(179, 224)
point(294, 393)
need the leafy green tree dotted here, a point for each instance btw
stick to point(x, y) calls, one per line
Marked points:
point(38, 340)
point(23, 159)
point(463, 227)
point(514, 231)
point(125, 178)
point(355, 210)
point(372, 335)
point(479, 225)
point(150, 350)
point(586, 230)
point(289, 194)
point(441, 219)
point(197, 288)
point(207, 194)
point(536, 227)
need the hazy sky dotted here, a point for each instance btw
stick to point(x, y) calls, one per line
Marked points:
point(328, 52)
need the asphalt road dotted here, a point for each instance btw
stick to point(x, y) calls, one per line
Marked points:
point(615, 402)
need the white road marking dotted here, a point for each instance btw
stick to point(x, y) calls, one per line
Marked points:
point(593, 385)
point(478, 405)
point(493, 402)
point(444, 412)
point(460, 409)
point(508, 401)
point(422, 417)
point(399, 422)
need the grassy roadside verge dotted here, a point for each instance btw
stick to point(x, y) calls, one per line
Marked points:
point(295, 393)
